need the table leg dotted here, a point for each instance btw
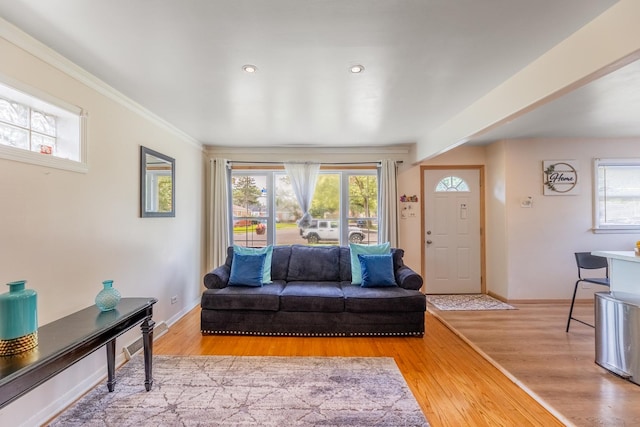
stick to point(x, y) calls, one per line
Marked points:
point(111, 364)
point(147, 341)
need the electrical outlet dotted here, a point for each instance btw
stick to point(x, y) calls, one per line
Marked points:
point(174, 299)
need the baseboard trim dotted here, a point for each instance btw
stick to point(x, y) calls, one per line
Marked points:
point(538, 301)
point(566, 302)
point(159, 330)
point(47, 413)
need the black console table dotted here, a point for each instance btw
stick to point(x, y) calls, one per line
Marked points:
point(65, 341)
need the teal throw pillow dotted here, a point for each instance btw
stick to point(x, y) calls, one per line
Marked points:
point(267, 250)
point(246, 270)
point(377, 271)
point(357, 249)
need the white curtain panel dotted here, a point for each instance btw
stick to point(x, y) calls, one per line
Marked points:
point(388, 203)
point(303, 178)
point(218, 238)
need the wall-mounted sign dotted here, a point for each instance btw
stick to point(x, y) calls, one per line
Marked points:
point(560, 177)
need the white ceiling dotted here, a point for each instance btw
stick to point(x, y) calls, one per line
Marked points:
point(425, 61)
point(608, 107)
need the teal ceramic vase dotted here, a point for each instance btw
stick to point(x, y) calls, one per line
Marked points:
point(18, 319)
point(109, 297)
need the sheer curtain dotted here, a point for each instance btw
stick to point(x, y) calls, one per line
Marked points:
point(218, 238)
point(388, 203)
point(303, 178)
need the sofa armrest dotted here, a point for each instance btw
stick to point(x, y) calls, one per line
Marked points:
point(408, 279)
point(218, 278)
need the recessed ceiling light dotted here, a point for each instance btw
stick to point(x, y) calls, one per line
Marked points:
point(356, 69)
point(249, 68)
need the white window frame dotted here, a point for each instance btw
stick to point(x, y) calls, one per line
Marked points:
point(71, 125)
point(617, 228)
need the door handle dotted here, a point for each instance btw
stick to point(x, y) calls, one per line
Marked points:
point(429, 242)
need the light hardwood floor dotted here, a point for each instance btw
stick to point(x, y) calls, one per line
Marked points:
point(559, 367)
point(454, 384)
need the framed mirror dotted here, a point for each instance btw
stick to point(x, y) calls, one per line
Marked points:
point(157, 184)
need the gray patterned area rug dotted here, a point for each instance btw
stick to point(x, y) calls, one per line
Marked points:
point(252, 391)
point(467, 302)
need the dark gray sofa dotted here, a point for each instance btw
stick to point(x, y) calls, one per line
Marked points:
point(312, 295)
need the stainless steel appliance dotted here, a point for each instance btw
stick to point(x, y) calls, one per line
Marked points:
point(618, 333)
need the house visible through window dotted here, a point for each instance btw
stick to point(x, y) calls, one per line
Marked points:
point(38, 130)
point(617, 198)
point(265, 210)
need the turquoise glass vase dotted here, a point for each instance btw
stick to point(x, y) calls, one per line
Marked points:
point(18, 319)
point(109, 297)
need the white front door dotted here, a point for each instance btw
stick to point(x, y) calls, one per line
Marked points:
point(452, 231)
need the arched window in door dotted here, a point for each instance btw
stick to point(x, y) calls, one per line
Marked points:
point(452, 183)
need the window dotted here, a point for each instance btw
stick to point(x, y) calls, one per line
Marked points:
point(26, 128)
point(452, 183)
point(617, 198)
point(363, 207)
point(35, 128)
point(265, 210)
point(250, 208)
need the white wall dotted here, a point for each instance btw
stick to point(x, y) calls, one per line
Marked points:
point(496, 221)
point(541, 240)
point(65, 232)
point(409, 228)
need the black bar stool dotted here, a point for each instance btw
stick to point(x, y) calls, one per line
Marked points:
point(586, 261)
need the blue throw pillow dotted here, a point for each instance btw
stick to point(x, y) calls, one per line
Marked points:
point(377, 270)
point(246, 270)
point(357, 249)
point(267, 250)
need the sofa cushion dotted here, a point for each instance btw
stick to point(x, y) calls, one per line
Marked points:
point(358, 249)
point(266, 298)
point(312, 296)
point(267, 251)
point(377, 271)
point(397, 255)
point(345, 264)
point(229, 258)
point(314, 263)
point(280, 262)
point(385, 299)
point(247, 270)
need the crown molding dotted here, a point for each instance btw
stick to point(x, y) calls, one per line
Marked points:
point(382, 149)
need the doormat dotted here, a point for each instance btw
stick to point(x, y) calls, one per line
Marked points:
point(252, 391)
point(467, 302)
